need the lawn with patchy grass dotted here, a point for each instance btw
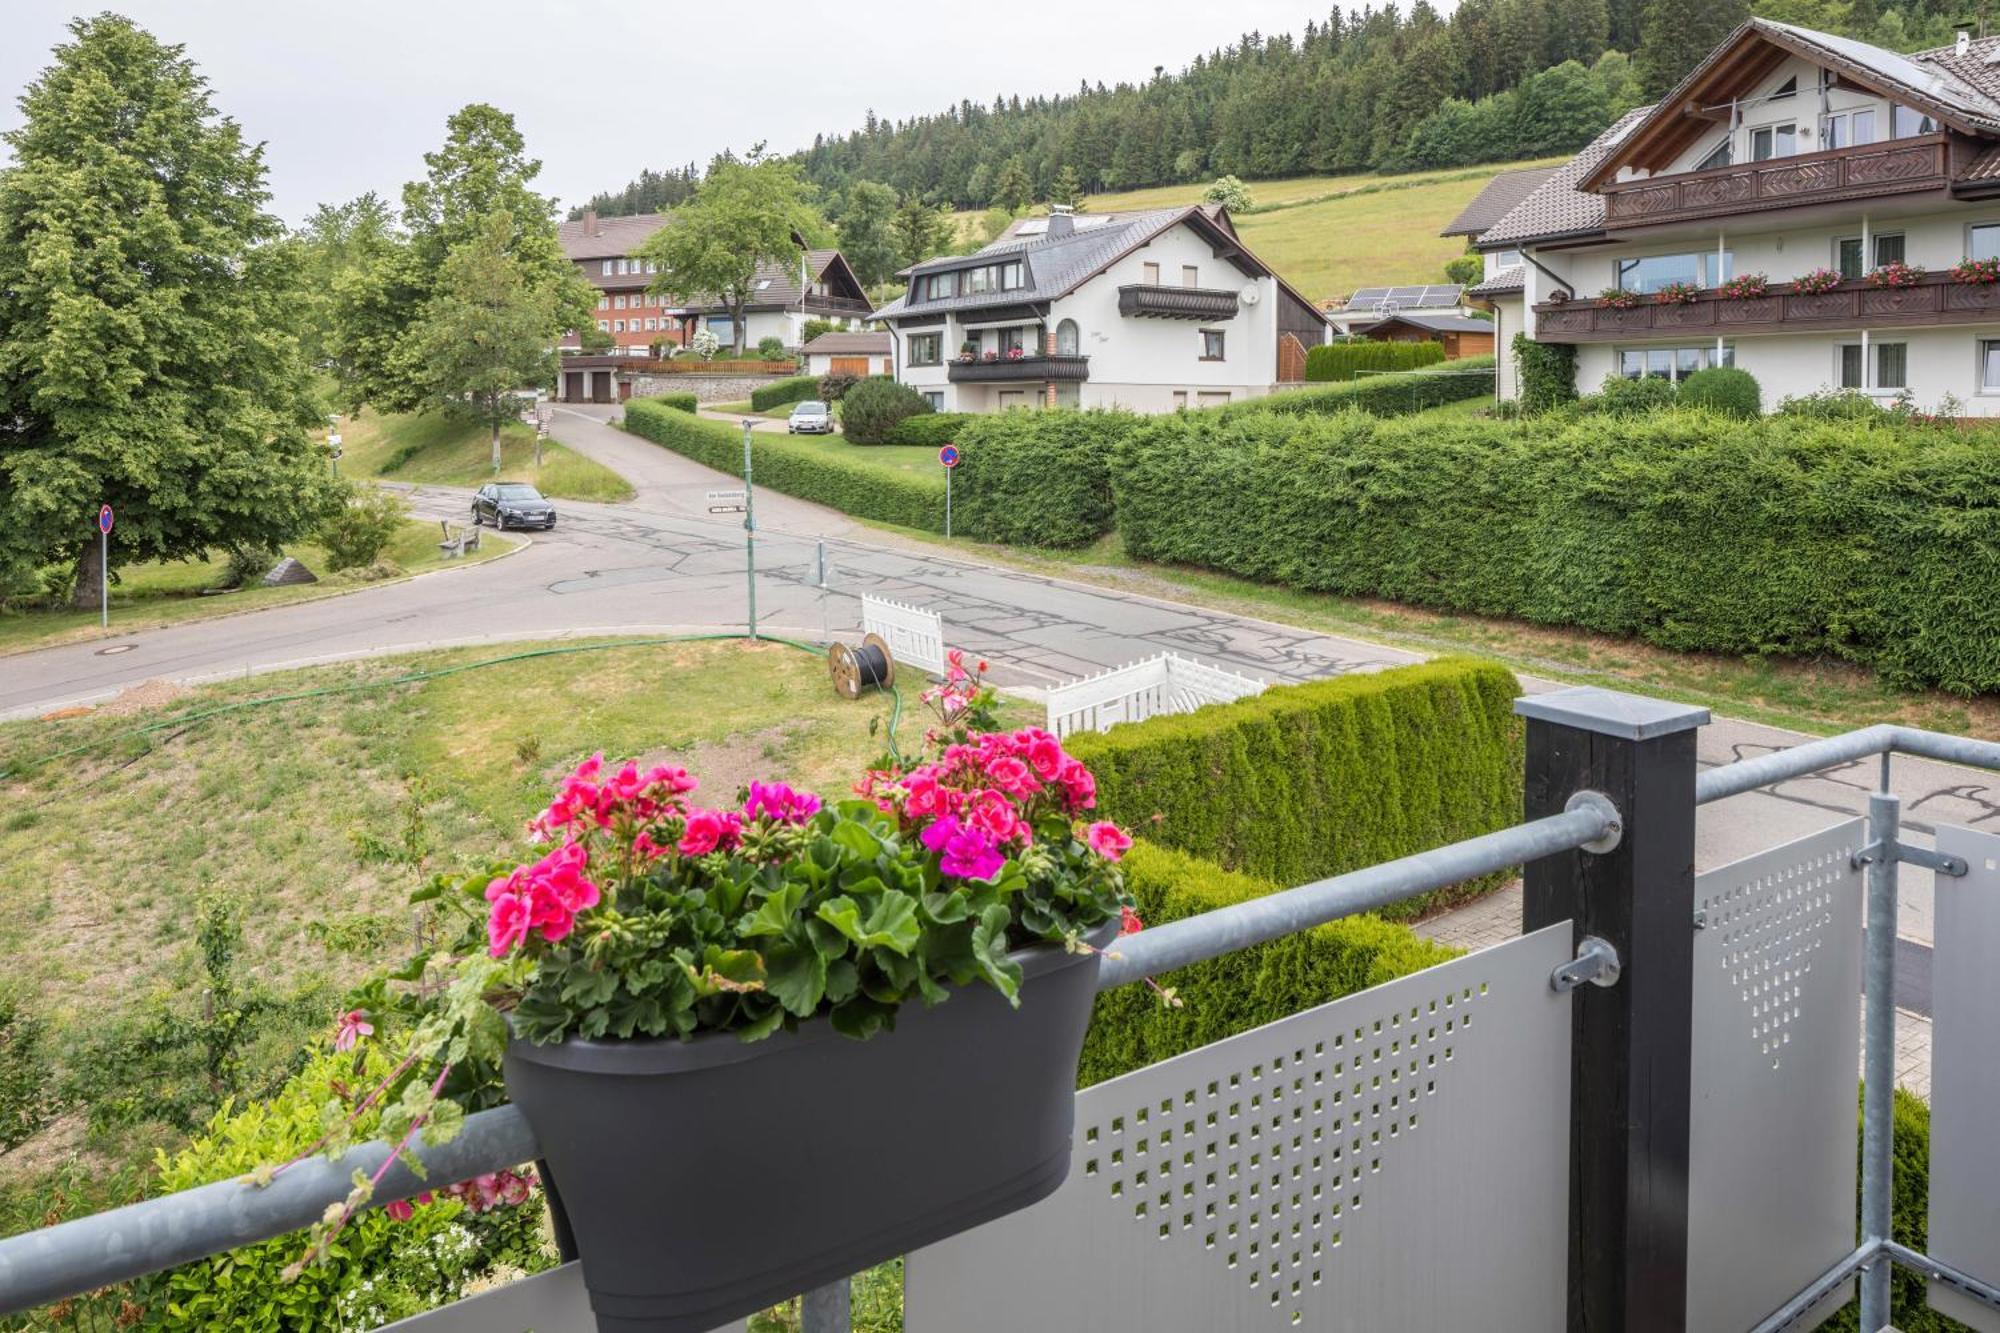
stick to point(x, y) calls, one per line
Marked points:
point(314, 819)
point(745, 410)
point(152, 594)
point(437, 450)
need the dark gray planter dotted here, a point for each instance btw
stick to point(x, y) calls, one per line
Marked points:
point(705, 1180)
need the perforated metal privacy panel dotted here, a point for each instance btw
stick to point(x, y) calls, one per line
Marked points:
point(1965, 1073)
point(1393, 1159)
point(1772, 1149)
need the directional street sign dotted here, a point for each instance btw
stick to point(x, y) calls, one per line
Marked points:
point(728, 502)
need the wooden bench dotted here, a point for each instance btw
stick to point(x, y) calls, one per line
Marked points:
point(466, 542)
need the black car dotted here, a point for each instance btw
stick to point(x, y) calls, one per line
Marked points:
point(512, 504)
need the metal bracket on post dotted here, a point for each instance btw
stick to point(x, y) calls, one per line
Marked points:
point(1596, 962)
point(1952, 866)
point(1614, 825)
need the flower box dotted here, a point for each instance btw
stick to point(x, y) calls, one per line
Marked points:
point(705, 1180)
point(1816, 282)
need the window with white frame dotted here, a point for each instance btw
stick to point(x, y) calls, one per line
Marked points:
point(1982, 240)
point(1906, 122)
point(1844, 129)
point(618, 302)
point(1068, 339)
point(1672, 363)
point(938, 286)
point(1879, 366)
point(652, 325)
point(1506, 259)
point(1211, 344)
point(1722, 155)
point(1649, 273)
point(1769, 141)
point(1190, 275)
point(1989, 365)
point(604, 326)
point(926, 349)
point(935, 397)
point(1853, 260)
point(1149, 273)
point(618, 326)
point(603, 303)
point(607, 268)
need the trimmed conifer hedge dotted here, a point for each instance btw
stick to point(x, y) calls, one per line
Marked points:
point(794, 390)
point(1037, 478)
point(1870, 541)
point(1306, 781)
point(809, 471)
point(680, 402)
point(1338, 362)
point(1388, 395)
point(1131, 1028)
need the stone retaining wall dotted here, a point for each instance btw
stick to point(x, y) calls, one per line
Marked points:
point(705, 388)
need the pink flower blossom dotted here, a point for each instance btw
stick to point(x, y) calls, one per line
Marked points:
point(1078, 785)
point(1129, 922)
point(353, 1026)
point(778, 801)
point(1107, 839)
point(994, 815)
point(1045, 755)
point(1013, 777)
point(966, 852)
point(709, 829)
point(401, 1210)
point(507, 924)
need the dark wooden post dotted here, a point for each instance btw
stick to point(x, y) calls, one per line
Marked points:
point(1629, 1090)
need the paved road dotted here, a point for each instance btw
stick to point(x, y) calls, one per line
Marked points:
point(660, 562)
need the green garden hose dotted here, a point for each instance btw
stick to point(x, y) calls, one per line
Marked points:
point(184, 720)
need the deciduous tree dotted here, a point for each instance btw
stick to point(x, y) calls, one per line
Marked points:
point(867, 231)
point(147, 356)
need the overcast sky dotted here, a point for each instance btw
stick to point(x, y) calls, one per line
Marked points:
point(349, 95)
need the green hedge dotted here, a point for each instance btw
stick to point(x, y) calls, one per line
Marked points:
point(809, 470)
point(1910, 1225)
point(1038, 478)
point(871, 411)
point(1338, 362)
point(1546, 373)
point(1391, 395)
point(1873, 542)
point(1131, 1028)
point(794, 390)
point(932, 429)
point(680, 402)
point(1305, 781)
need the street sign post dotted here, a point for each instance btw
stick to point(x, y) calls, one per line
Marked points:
point(749, 530)
point(104, 519)
point(949, 457)
point(728, 501)
point(333, 451)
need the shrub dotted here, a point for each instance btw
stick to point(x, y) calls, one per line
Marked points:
point(794, 390)
point(680, 402)
point(247, 564)
point(811, 471)
point(1545, 374)
point(360, 530)
point(1386, 395)
point(1781, 535)
point(1620, 397)
point(377, 1270)
point(832, 388)
point(1831, 405)
point(933, 429)
point(1343, 773)
point(872, 409)
point(1910, 1195)
point(27, 1074)
point(1724, 389)
point(1338, 362)
point(1037, 478)
point(771, 347)
point(1228, 191)
point(1131, 1029)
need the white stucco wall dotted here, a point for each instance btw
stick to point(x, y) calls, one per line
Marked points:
point(1509, 319)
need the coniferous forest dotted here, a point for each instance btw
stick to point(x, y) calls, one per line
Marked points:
point(1363, 90)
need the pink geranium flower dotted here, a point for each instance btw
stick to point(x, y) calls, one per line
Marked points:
point(1107, 839)
point(1013, 777)
point(965, 853)
point(353, 1026)
point(1129, 922)
point(507, 923)
point(778, 801)
point(709, 829)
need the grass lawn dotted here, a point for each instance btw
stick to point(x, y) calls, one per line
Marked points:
point(438, 450)
point(303, 815)
point(921, 459)
point(154, 594)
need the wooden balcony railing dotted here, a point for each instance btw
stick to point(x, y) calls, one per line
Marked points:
point(1149, 300)
point(1863, 171)
point(1935, 299)
point(1031, 369)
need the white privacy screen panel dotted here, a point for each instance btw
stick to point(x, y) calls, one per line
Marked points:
point(1965, 1074)
point(1396, 1159)
point(915, 636)
point(1777, 1013)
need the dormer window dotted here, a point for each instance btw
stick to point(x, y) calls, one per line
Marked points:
point(1719, 156)
point(939, 286)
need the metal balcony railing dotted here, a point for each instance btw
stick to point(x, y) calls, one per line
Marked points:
point(1609, 859)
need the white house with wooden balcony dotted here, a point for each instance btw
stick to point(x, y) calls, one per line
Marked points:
point(1145, 311)
point(1831, 169)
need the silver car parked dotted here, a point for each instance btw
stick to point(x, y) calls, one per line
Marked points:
point(811, 418)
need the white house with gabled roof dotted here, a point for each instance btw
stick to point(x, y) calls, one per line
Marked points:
point(1145, 311)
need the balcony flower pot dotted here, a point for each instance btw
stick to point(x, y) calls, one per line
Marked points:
point(706, 1180)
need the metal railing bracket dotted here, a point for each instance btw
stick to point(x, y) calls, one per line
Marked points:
point(1953, 866)
point(1596, 962)
point(1614, 824)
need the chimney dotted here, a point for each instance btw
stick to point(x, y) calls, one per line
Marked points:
point(590, 222)
point(1062, 221)
point(1964, 43)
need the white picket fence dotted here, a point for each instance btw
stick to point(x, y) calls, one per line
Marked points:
point(1165, 684)
point(915, 636)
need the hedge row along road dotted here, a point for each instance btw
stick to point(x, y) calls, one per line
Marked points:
point(660, 561)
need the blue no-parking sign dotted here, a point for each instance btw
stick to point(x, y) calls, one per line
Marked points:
point(948, 455)
point(104, 519)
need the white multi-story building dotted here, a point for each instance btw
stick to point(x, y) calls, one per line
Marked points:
point(1146, 311)
point(1787, 154)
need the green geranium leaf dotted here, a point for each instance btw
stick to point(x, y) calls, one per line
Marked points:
point(892, 924)
point(763, 1025)
point(796, 975)
point(861, 1018)
point(946, 909)
point(989, 950)
point(843, 978)
point(856, 840)
point(735, 970)
point(774, 915)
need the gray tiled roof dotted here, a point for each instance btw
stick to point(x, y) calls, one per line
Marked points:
point(613, 239)
point(1436, 323)
point(778, 287)
point(848, 344)
point(1557, 207)
point(1052, 268)
point(1504, 283)
point(1497, 200)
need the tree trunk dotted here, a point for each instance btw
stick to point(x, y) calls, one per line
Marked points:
point(89, 577)
point(741, 332)
point(496, 446)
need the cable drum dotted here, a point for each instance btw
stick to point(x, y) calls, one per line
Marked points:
point(869, 666)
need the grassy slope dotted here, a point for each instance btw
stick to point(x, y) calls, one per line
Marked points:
point(440, 451)
point(155, 594)
point(1327, 235)
point(103, 853)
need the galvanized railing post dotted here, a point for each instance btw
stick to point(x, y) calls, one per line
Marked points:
point(1878, 1106)
point(1630, 1093)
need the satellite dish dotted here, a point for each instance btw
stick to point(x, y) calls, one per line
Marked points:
point(1250, 294)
